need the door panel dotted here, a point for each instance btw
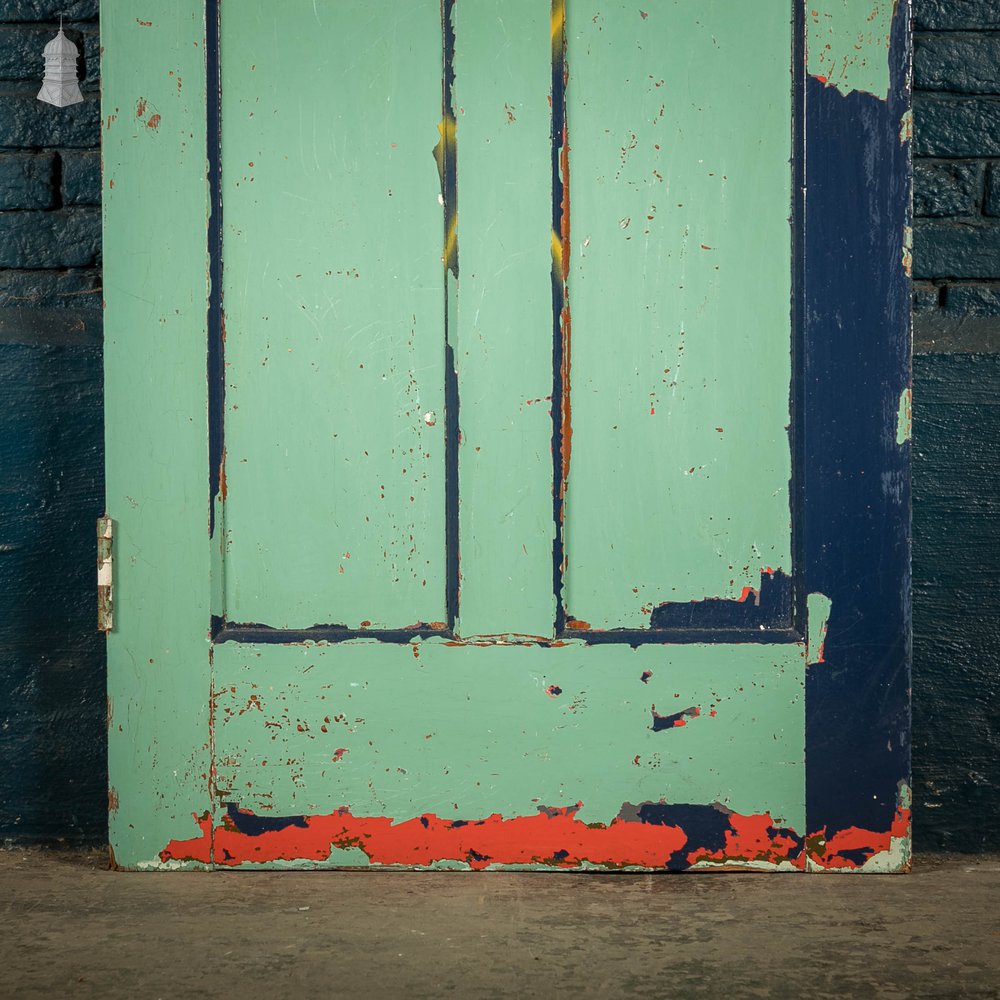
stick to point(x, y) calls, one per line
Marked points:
point(680, 380)
point(333, 297)
point(322, 740)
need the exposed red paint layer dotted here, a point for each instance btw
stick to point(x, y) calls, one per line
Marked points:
point(835, 851)
point(755, 839)
point(222, 477)
point(552, 837)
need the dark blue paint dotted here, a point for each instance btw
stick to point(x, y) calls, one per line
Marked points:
point(855, 526)
point(216, 317)
point(253, 826)
point(705, 826)
point(772, 608)
point(661, 722)
point(223, 631)
point(452, 404)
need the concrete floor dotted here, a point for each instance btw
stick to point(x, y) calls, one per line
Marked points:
point(70, 928)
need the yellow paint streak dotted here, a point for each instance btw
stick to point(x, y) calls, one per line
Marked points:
point(451, 240)
point(558, 27)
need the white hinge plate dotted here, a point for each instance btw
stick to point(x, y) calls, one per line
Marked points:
point(105, 577)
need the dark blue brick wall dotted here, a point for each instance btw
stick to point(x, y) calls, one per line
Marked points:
point(956, 408)
point(52, 738)
point(52, 674)
point(956, 177)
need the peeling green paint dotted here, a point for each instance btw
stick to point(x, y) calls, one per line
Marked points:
point(904, 416)
point(818, 607)
point(906, 127)
point(848, 44)
point(349, 857)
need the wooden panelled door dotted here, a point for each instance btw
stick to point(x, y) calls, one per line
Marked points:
point(507, 434)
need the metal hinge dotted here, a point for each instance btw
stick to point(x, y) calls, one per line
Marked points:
point(105, 594)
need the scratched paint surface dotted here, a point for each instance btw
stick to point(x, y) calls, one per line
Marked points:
point(334, 315)
point(502, 333)
point(847, 44)
point(463, 733)
point(679, 460)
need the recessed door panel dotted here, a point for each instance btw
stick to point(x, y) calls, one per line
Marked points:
point(333, 304)
point(679, 289)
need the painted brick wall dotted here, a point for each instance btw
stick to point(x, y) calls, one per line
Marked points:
point(52, 771)
point(956, 514)
point(52, 703)
point(956, 175)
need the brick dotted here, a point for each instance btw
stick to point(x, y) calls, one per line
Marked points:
point(991, 205)
point(26, 122)
point(980, 300)
point(926, 297)
point(21, 51)
point(945, 249)
point(26, 180)
point(81, 178)
point(49, 10)
point(50, 289)
point(50, 326)
point(961, 63)
point(956, 127)
point(65, 238)
point(947, 187)
point(960, 15)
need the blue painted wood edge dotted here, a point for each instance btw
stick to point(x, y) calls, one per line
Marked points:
point(855, 476)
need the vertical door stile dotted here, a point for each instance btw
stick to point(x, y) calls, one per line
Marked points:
point(503, 335)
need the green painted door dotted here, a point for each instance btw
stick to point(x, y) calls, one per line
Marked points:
point(474, 548)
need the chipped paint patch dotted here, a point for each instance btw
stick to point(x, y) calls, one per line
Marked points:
point(906, 127)
point(908, 251)
point(855, 851)
point(847, 45)
point(641, 837)
point(904, 416)
point(818, 607)
point(674, 720)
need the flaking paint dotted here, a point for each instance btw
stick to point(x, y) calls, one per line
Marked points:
point(818, 609)
point(847, 44)
point(904, 416)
